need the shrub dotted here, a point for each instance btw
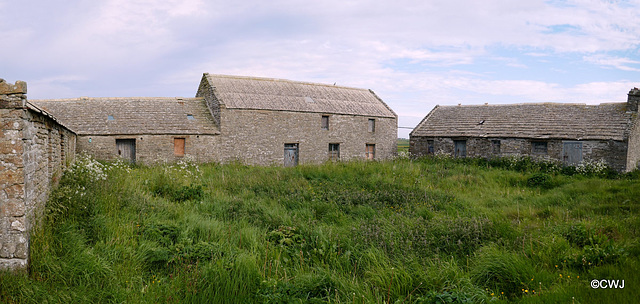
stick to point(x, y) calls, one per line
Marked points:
point(541, 180)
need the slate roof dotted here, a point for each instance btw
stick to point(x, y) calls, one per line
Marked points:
point(237, 92)
point(132, 115)
point(541, 120)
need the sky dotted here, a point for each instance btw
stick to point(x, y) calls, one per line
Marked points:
point(413, 54)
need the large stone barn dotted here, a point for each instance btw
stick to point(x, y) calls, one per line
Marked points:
point(570, 133)
point(252, 120)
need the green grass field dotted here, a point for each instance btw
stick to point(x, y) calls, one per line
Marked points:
point(403, 231)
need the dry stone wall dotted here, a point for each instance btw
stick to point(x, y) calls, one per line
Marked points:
point(34, 149)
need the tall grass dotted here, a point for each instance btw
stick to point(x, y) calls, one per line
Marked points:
point(403, 231)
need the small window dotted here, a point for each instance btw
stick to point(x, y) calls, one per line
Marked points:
point(460, 148)
point(539, 147)
point(325, 122)
point(190, 117)
point(370, 151)
point(495, 147)
point(430, 147)
point(178, 146)
point(334, 152)
point(372, 125)
point(110, 117)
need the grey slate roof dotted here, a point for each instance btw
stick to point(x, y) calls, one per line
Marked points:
point(237, 92)
point(542, 120)
point(132, 115)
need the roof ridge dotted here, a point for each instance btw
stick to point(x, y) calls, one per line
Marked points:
point(535, 103)
point(284, 80)
point(117, 98)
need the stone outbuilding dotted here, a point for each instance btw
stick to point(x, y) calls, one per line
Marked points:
point(570, 133)
point(253, 120)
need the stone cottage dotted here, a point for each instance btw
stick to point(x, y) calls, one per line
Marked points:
point(259, 121)
point(569, 133)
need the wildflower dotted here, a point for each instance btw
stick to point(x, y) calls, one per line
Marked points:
point(526, 290)
point(492, 294)
point(560, 275)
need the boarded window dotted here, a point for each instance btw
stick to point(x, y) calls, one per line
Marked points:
point(430, 147)
point(372, 125)
point(178, 146)
point(325, 122)
point(334, 152)
point(539, 147)
point(495, 147)
point(370, 151)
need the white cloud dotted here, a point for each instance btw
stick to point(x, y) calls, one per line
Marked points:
point(624, 64)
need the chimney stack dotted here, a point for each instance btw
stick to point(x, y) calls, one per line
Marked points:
point(632, 101)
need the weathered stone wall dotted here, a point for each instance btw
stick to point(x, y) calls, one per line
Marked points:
point(34, 149)
point(258, 136)
point(613, 152)
point(633, 154)
point(151, 149)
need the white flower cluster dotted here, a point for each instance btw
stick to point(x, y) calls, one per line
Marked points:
point(187, 167)
point(118, 165)
point(587, 167)
point(86, 166)
point(402, 155)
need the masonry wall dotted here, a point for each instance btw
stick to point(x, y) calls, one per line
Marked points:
point(613, 152)
point(151, 149)
point(34, 149)
point(258, 136)
point(633, 155)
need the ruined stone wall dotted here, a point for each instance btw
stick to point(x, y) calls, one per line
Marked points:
point(258, 136)
point(612, 152)
point(152, 149)
point(34, 149)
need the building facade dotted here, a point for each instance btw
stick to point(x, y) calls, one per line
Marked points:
point(570, 133)
point(259, 121)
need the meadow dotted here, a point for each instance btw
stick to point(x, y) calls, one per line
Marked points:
point(431, 230)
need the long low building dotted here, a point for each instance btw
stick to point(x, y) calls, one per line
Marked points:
point(570, 133)
point(253, 120)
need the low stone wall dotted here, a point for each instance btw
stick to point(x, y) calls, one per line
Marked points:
point(34, 149)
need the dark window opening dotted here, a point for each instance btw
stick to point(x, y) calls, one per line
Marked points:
point(539, 147)
point(372, 125)
point(325, 122)
point(495, 147)
point(430, 147)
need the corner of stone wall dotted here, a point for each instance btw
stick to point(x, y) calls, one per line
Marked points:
point(14, 246)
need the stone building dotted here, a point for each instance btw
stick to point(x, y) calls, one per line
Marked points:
point(274, 121)
point(252, 120)
point(34, 149)
point(569, 133)
point(145, 130)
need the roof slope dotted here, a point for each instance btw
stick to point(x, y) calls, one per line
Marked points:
point(237, 92)
point(132, 115)
point(543, 120)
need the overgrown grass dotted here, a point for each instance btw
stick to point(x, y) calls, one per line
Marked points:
point(403, 231)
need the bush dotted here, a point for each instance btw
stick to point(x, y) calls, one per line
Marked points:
point(541, 180)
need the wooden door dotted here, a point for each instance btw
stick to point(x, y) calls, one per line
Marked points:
point(572, 153)
point(371, 151)
point(460, 148)
point(178, 146)
point(290, 155)
point(126, 148)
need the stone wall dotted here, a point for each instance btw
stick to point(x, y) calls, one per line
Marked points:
point(34, 149)
point(258, 136)
point(151, 149)
point(633, 155)
point(613, 152)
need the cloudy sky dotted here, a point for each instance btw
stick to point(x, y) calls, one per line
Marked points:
point(413, 54)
